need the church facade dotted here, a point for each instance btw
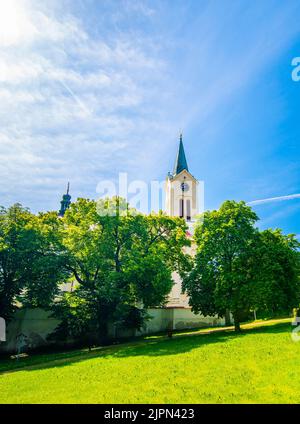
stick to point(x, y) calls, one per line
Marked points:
point(182, 200)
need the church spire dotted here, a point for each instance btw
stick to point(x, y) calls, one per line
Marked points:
point(181, 162)
point(65, 202)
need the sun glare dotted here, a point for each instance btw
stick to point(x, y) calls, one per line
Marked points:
point(15, 25)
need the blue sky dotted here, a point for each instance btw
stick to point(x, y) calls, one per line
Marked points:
point(92, 88)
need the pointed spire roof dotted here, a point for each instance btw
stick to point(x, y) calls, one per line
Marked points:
point(181, 162)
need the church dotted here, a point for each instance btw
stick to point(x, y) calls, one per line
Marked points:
point(181, 200)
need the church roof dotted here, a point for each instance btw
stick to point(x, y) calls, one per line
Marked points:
point(181, 162)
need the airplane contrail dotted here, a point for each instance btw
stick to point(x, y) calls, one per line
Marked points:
point(274, 199)
point(75, 97)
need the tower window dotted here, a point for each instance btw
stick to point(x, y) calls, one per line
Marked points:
point(188, 210)
point(181, 208)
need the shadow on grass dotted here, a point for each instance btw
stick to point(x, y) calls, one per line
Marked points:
point(153, 348)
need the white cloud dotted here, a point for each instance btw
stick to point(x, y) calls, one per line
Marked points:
point(274, 199)
point(81, 103)
point(72, 107)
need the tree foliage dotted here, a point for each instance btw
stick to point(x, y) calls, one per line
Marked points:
point(121, 261)
point(277, 272)
point(237, 268)
point(30, 259)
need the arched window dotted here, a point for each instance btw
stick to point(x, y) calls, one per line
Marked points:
point(181, 208)
point(188, 210)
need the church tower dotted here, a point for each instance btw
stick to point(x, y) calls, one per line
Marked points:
point(184, 198)
point(181, 200)
point(65, 202)
point(181, 189)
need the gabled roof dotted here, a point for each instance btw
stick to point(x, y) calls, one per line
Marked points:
point(181, 162)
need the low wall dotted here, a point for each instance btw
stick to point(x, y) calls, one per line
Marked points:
point(30, 327)
point(160, 320)
point(185, 318)
point(163, 319)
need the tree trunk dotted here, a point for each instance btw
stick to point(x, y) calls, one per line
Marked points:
point(236, 318)
point(227, 318)
point(237, 326)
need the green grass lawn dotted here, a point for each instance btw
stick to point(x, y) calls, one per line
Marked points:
point(260, 365)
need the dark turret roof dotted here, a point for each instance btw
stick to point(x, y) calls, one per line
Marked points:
point(65, 202)
point(181, 162)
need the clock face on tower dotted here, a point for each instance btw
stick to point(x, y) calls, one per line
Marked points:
point(184, 187)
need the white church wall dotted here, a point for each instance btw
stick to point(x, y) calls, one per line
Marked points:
point(177, 318)
point(174, 195)
point(160, 320)
point(184, 318)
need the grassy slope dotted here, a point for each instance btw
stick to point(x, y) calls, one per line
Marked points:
point(260, 365)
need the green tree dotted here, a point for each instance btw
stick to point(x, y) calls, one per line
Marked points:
point(276, 272)
point(31, 259)
point(15, 242)
point(239, 269)
point(121, 261)
point(47, 267)
point(218, 281)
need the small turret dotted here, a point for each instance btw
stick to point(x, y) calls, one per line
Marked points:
point(65, 202)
